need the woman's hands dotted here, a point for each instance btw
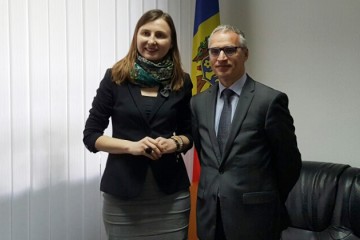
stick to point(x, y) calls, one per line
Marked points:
point(153, 148)
point(149, 147)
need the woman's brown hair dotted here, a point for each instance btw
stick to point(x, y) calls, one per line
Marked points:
point(121, 69)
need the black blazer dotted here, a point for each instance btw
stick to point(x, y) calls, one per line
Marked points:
point(260, 164)
point(124, 174)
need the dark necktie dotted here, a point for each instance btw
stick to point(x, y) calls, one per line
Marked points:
point(225, 119)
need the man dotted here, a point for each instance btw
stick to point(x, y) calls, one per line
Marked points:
point(249, 167)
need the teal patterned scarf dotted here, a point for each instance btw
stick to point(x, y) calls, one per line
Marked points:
point(150, 74)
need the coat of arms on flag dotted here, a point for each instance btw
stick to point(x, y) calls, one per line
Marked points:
point(205, 74)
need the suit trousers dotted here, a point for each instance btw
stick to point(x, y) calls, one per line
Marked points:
point(219, 230)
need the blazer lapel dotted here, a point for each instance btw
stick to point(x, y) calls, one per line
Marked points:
point(210, 112)
point(135, 93)
point(246, 97)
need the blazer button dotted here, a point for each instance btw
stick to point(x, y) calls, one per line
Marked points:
point(221, 170)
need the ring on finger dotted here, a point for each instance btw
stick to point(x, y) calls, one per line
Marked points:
point(148, 150)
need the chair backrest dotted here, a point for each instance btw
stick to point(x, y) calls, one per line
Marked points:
point(311, 202)
point(346, 217)
point(354, 206)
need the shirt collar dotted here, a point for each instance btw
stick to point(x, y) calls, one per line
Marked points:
point(236, 87)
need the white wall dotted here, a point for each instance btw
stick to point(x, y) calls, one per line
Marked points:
point(310, 50)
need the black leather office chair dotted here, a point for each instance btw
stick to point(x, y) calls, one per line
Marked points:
point(325, 203)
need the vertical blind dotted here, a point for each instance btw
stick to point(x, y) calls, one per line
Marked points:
point(53, 54)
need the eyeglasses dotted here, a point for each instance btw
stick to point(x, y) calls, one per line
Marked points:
point(229, 51)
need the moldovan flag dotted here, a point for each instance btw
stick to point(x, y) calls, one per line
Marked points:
point(207, 17)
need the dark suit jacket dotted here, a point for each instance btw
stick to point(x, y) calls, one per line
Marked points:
point(260, 165)
point(124, 174)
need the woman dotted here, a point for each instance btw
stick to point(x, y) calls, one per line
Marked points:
point(146, 94)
